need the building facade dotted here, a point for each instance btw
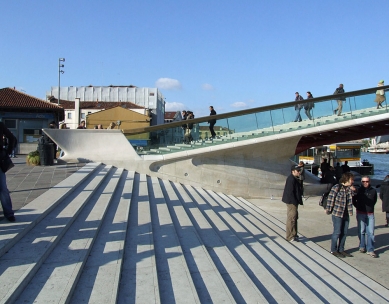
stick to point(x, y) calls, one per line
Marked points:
point(25, 116)
point(148, 98)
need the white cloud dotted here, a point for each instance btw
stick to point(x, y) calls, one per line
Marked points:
point(168, 84)
point(239, 104)
point(207, 87)
point(174, 106)
point(242, 104)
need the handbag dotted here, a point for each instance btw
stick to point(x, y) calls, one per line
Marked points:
point(323, 200)
point(5, 161)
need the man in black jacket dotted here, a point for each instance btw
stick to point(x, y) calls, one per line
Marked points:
point(292, 197)
point(6, 202)
point(212, 122)
point(364, 201)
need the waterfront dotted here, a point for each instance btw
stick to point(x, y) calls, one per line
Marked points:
point(380, 162)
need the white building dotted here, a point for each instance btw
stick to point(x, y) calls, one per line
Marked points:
point(149, 98)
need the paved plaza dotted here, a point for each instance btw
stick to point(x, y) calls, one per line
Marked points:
point(28, 182)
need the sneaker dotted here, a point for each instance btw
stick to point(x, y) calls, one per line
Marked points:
point(362, 250)
point(337, 254)
point(295, 239)
point(372, 254)
point(11, 218)
point(345, 254)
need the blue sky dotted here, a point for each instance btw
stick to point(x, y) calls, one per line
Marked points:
point(229, 54)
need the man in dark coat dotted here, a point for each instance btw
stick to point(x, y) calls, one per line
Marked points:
point(6, 202)
point(292, 197)
point(212, 122)
point(364, 201)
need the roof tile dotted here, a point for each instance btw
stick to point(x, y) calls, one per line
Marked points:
point(11, 98)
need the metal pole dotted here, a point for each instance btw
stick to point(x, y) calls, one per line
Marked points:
point(59, 76)
point(59, 79)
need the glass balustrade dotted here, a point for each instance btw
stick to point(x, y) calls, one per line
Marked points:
point(253, 123)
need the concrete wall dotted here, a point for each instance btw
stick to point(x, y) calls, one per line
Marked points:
point(252, 168)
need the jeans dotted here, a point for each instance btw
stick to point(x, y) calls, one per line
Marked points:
point(4, 196)
point(308, 113)
point(298, 116)
point(366, 224)
point(340, 232)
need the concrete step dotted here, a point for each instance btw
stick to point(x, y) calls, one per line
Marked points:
point(60, 272)
point(11, 233)
point(21, 262)
point(124, 237)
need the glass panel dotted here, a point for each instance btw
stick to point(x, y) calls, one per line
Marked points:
point(242, 127)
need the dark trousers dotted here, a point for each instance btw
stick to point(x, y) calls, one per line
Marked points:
point(211, 125)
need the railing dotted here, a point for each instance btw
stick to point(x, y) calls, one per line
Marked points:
point(256, 122)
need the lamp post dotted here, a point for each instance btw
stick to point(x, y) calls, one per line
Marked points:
point(60, 65)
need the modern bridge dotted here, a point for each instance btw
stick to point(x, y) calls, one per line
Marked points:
point(249, 159)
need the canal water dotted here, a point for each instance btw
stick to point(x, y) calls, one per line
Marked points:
point(380, 162)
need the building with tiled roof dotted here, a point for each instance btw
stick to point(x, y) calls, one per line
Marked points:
point(172, 116)
point(14, 99)
point(149, 98)
point(86, 108)
point(25, 116)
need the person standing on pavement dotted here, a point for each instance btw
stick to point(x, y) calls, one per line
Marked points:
point(298, 107)
point(340, 205)
point(5, 198)
point(364, 202)
point(340, 101)
point(345, 167)
point(212, 122)
point(384, 196)
point(292, 197)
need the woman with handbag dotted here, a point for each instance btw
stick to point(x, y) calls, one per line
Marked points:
point(5, 198)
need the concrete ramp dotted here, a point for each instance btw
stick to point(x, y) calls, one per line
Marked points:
point(109, 235)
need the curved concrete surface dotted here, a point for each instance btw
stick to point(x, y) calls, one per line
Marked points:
point(250, 168)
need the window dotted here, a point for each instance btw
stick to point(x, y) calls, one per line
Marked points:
point(10, 123)
point(82, 115)
point(151, 94)
point(69, 115)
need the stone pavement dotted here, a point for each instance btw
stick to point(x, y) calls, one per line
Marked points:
point(26, 183)
point(314, 224)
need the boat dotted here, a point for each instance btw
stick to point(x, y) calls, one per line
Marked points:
point(334, 153)
point(377, 150)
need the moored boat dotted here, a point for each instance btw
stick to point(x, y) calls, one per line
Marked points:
point(378, 150)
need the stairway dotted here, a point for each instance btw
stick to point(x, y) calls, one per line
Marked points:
point(107, 235)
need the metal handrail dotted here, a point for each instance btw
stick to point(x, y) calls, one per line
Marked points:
point(252, 110)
